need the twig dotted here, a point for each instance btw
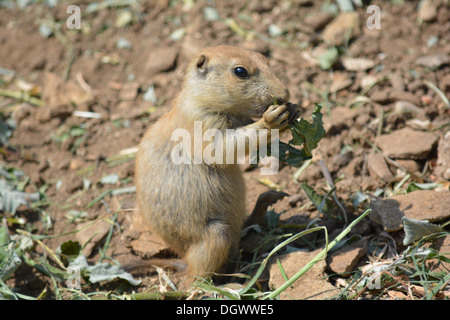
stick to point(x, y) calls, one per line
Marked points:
point(441, 95)
point(327, 175)
point(23, 96)
point(322, 254)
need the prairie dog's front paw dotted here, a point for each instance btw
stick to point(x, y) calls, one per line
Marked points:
point(279, 116)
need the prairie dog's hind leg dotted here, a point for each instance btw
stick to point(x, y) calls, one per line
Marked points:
point(214, 249)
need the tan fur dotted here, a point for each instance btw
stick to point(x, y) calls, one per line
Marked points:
point(199, 209)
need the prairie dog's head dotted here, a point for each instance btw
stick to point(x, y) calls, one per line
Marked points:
point(234, 81)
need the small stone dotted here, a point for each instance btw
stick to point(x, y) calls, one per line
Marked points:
point(378, 167)
point(357, 64)
point(443, 157)
point(345, 26)
point(91, 236)
point(318, 20)
point(407, 143)
point(341, 80)
point(428, 10)
point(410, 165)
point(129, 91)
point(397, 82)
point(420, 205)
point(76, 164)
point(433, 61)
point(406, 96)
point(381, 95)
point(161, 59)
point(311, 286)
point(407, 107)
point(344, 260)
point(144, 241)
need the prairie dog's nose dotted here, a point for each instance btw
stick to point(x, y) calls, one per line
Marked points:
point(283, 97)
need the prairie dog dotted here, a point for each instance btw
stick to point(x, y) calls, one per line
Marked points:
point(199, 209)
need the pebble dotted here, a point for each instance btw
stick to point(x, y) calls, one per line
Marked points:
point(428, 10)
point(357, 64)
point(161, 59)
point(345, 25)
point(420, 205)
point(443, 157)
point(402, 106)
point(378, 167)
point(407, 143)
point(433, 61)
point(312, 286)
point(344, 260)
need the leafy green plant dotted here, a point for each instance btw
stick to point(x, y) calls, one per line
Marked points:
point(304, 134)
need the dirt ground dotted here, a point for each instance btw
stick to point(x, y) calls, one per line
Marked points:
point(121, 53)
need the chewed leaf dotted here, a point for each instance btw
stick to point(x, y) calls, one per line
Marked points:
point(308, 134)
point(291, 155)
point(9, 261)
point(11, 199)
point(107, 272)
point(417, 229)
point(304, 134)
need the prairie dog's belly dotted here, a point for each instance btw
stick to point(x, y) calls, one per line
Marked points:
point(179, 200)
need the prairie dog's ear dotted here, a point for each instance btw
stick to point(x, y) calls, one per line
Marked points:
point(202, 62)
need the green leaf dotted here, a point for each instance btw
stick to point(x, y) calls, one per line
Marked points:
point(9, 260)
point(304, 134)
point(110, 179)
point(328, 58)
point(11, 199)
point(417, 229)
point(69, 251)
point(107, 272)
point(320, 202)
point(413, 186)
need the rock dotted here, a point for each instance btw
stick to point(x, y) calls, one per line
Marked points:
point(381, 95)
point(345, 26)
point(129, 91)
point(368, 80)
point(318, 20)
point(341, 80)
point(378, 167)
point(402, 106)
point(345, 259)
point(340, 116)
point(443, 246)
point(357, 64)
point(419, 124)
point(410, 165)
point(443, 157)
point(433, 61)
point(91, 236)
point(407, 143)
point(445, 85)
point(58, 93)
point(161, 59)
point(397, 82)
point(421, 205)
point(311, 286)
point(404, 96)
point(428, 10)
point(76, 164)
point(141, 239)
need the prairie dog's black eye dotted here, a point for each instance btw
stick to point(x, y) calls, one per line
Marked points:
point(241, 72)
